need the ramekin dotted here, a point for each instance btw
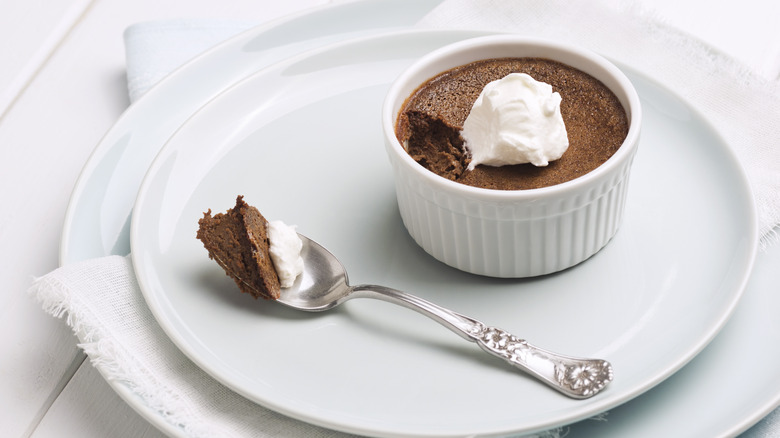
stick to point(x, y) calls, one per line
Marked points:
point(517, 233)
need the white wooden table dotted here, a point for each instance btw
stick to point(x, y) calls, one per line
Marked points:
point(62, 85)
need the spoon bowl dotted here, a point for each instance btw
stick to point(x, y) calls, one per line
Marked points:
point(324, 285)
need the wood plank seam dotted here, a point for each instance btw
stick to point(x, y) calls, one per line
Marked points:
point(38, 61)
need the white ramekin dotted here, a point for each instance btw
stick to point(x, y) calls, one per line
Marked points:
point(518, 233)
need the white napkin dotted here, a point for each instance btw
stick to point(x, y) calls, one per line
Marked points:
point(107, 311)
point(104, 304)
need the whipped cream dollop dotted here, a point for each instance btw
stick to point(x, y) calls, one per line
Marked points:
point(515, 120)
point(285, 248)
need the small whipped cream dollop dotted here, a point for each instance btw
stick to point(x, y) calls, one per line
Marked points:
point(515, 120)
point(285, 248)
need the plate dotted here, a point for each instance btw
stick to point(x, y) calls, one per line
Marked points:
point(301, 140)
point(696, 401)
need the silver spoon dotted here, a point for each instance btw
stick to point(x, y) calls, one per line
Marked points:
point(323, 285)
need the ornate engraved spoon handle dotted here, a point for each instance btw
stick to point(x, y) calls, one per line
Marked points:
point(575, 377)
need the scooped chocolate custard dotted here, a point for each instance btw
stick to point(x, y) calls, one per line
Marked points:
point(430, 123)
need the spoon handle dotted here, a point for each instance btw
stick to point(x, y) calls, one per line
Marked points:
point(575, 377)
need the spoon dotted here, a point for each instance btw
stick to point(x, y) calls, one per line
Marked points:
point(324, 285)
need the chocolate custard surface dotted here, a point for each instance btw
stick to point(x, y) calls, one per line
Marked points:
point(430, 121)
